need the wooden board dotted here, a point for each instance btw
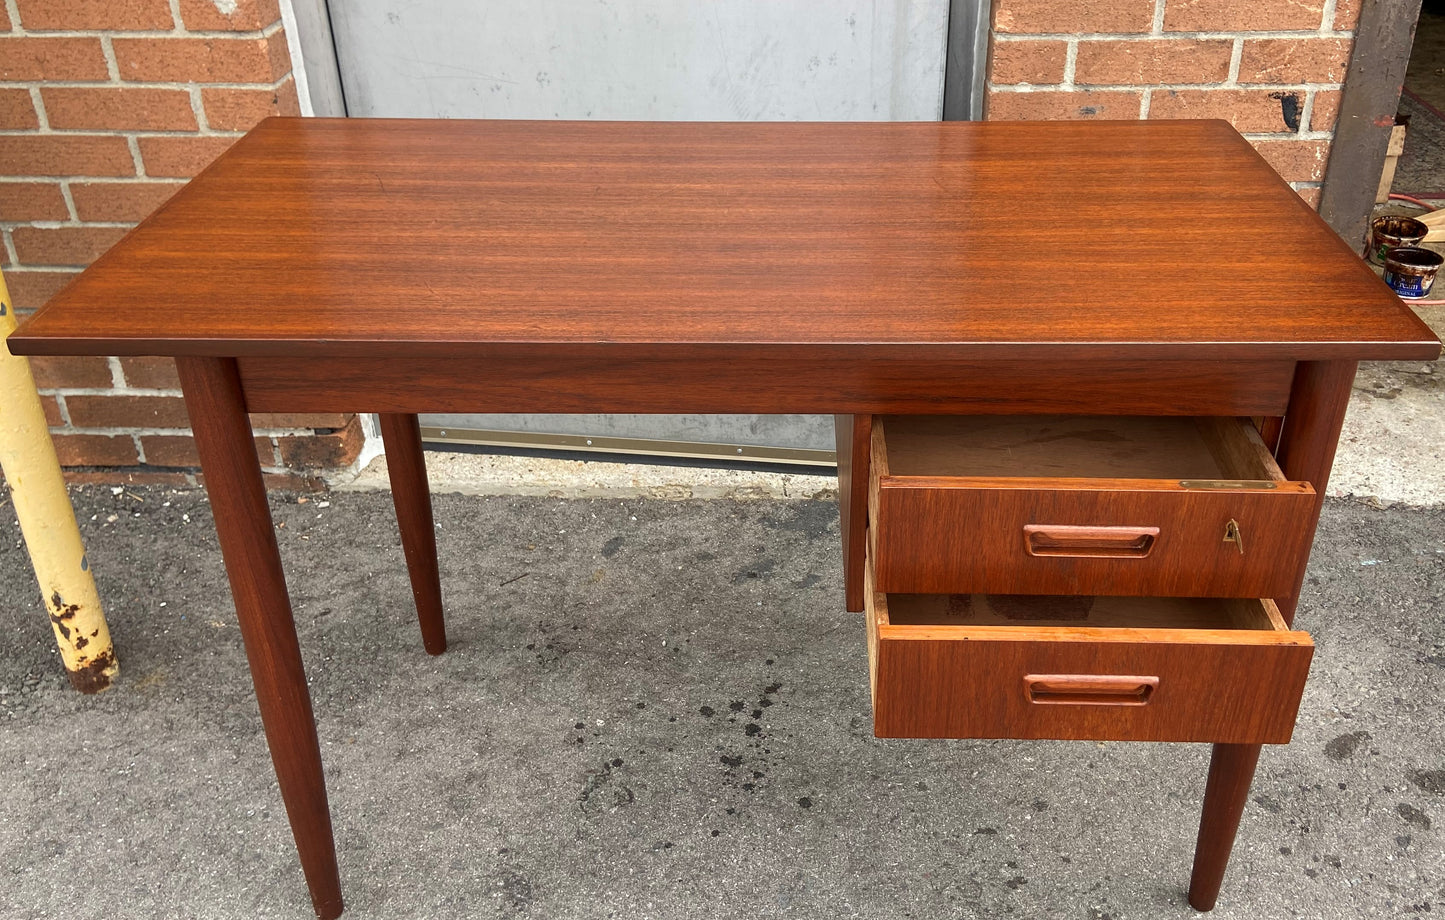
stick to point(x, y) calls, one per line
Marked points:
point(720, 378)
point(991, 533)
point(421, 239)
point(978, 681)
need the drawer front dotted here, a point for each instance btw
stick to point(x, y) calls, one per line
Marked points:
point(1132, 537)
point(1235, 686)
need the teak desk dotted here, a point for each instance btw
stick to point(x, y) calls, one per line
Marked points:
point(863, 270)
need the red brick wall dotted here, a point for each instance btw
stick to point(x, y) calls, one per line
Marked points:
point(106, 108)
point(1271, 67)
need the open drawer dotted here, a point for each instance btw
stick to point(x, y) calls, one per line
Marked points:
point(1097, 668)
point(1157, 506)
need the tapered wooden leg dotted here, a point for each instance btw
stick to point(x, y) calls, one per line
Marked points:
point(1312, 422)
point(854, 438)
point(217, 408)
point(1231, 770)
point(401, 435)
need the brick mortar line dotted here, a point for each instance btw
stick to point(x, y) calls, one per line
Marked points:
point(198, 109)
point(188, 473)
point(64, 409)
point(110, 180)
point(10, 255)
point(112, 391)
point(62, 224)
point(140, 84)
point(113, 132)
point(144, 431)
point(1300, 136)
point(1243, 34)
point(160, 34)
point(69, 202)
point(1156, 25)
point(178, 23)
point(1327, 15)
point(42, 118)
point(112, 64)
point(137, 162)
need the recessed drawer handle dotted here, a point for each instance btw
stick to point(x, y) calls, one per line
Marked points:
point(1075, 540)
point(1089, 689)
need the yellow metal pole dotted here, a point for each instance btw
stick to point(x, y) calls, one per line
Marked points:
point(27, 456)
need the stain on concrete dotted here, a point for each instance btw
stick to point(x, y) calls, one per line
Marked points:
point(1432, 781)
point(810, 519)
point(513, 888)
point(1413, 816)
point(1342, 747)
point(1268, 804)
point(762, 569)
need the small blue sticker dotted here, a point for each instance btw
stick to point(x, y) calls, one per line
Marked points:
point(84, 563)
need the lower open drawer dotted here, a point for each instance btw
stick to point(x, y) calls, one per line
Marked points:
point(1097, 668)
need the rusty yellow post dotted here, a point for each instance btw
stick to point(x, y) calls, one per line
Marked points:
point(27, 456)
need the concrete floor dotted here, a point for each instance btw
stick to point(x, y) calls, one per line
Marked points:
point(1392, 448)
point(657, 709)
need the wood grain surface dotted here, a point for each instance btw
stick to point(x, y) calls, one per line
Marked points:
point(852, 435)
point(411, 495)
point(960, 533)
point(317, 237)
point(1311, 432)
point(263, 609)
point(970, 681)
point(1231, 770)
point(757, 378)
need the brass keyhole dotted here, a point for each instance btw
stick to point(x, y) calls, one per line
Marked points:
point(1232, 535)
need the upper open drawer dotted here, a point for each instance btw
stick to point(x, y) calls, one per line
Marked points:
point(1125, 505)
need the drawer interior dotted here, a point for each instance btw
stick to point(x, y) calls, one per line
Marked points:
point(1090, 612)
point(1077, 446)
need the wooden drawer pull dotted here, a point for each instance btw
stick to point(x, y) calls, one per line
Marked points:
point(1089, 689)
point(1075, 540)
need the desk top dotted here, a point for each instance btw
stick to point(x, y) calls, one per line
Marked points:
point(358, 237)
